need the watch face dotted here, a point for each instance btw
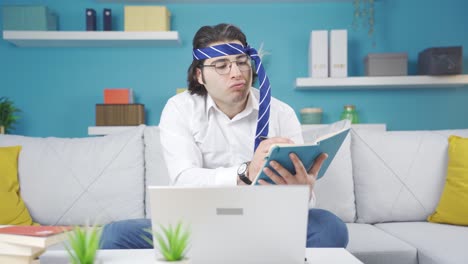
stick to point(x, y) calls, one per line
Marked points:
point(242, 168)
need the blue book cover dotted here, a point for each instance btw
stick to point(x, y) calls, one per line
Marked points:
point(307, 153)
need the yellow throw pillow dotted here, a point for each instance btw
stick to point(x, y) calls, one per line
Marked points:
point(13, 211)
point(453, 204)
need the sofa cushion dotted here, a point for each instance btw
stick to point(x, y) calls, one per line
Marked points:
point(371, 245)
point(71, 181)
point(453, 205)
point(155, 167)
point(335, 190)
point(446, 243)
point(399, 175)
point(13, 211)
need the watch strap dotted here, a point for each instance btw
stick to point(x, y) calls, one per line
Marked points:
point(243, 175)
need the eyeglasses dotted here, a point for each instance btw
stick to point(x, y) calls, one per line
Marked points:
point(224, 66)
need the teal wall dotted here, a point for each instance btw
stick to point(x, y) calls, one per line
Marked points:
point(57, 88)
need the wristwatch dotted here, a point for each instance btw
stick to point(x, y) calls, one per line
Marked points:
point(243, 172)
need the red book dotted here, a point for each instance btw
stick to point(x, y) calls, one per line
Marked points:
point(118, 96)
point(40, 231)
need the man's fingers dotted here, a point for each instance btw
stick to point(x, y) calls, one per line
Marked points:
point(273, 176)
point(301, 173)
point(283, 173)
point(275, 140)
point(318, 164)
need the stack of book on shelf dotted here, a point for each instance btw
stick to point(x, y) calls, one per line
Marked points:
point(24, 244)
point(119, 109)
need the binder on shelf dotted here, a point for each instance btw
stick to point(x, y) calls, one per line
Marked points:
point(146, 18)
point(29, 17)
point(90, 19)
point(120, 114)
point(118, 96)
point(107, 19)
point(318, 54)
point(339, 53)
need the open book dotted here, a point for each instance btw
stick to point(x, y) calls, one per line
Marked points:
point(327, 140)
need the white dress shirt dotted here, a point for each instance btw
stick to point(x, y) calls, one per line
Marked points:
point(202, 146)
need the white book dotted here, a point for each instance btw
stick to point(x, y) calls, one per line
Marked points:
point(19, 250)
point(339, 53)
point(318, 54)
point(7, 259)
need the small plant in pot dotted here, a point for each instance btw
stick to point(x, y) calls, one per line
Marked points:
point(83, 244)
point(172, 242)
point(8, 117)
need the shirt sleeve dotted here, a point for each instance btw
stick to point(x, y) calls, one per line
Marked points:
point(183, 157)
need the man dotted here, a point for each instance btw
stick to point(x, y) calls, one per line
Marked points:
point(212, 134)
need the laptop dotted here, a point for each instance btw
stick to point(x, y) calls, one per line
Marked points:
point(236, 225)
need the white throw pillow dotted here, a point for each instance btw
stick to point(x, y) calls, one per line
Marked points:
point(156, 170)
point(399, 175)
point(335, 190)
point(74, 181)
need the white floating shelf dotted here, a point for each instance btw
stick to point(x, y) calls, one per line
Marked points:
point(374, 127)
point(215, 1)
point(106, 130)
point(387, 82)
point(91, 38)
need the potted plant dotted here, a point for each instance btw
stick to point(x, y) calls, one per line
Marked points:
point(8, 117)
point(172, 242)
point(83, 244)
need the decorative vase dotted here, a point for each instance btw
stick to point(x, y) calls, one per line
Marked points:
point(311, 115)
point(2, 130)
point(350, 113)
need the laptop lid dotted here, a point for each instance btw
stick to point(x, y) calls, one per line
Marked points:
point(251, 224)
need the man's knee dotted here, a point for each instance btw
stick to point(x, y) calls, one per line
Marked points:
point(326, 230)
point(125, 234)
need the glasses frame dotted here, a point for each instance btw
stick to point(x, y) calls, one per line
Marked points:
point(249, 61)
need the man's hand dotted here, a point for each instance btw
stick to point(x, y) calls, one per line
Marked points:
point(261, 152)
point(302, 176)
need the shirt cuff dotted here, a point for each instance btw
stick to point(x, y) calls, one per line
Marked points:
point(226, 176)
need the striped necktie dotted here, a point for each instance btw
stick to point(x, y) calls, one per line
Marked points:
point(264, 83)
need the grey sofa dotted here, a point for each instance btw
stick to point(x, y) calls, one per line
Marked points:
point(397, 179)
point(382, 184)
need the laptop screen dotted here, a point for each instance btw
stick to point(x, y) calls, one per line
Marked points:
point(249, 224)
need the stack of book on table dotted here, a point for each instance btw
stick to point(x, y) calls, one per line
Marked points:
point(24, 244)
point(119, 109)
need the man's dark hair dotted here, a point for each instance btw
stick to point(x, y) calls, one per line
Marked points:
point(204, 37)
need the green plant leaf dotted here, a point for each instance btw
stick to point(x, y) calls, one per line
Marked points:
point(7, 114)
point(172, 242)
point(84, 243)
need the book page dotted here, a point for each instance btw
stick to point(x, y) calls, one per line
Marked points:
point(312, 136)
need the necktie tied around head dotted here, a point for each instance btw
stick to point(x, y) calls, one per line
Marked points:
point(264, 83)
